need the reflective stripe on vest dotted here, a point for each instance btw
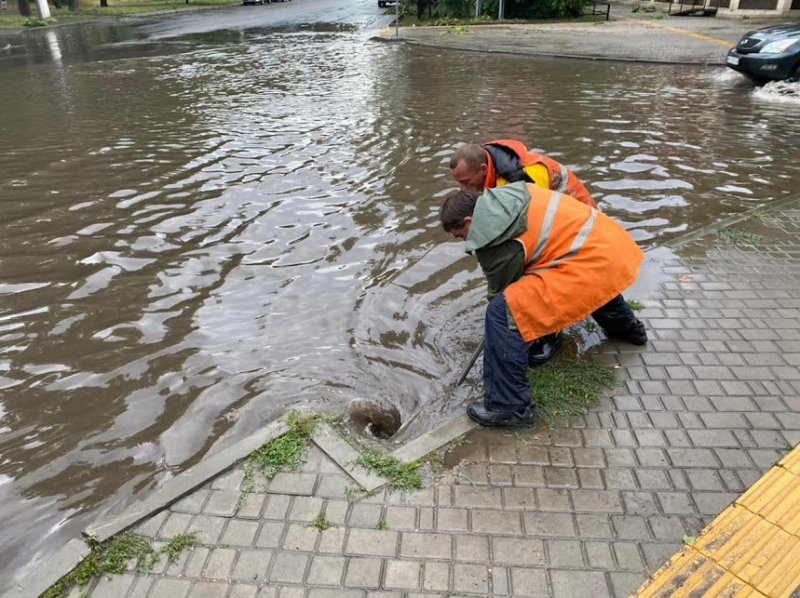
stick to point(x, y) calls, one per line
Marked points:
point(577, 243)
point(564, 179)
point(547, 227)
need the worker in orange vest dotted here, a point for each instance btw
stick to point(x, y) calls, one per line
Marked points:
point(477, 167)
point(549, 262)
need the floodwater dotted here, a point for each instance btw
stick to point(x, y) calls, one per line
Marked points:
point(200, 233)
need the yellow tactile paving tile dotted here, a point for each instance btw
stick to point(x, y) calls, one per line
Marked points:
point(787, 517)
point(766, 486)
point(755, 556)
point(782, 577)
point(725, 532)
point(792, 461)
point(683, 566)
point(784, 486)
point(752, 548)
point(730, 586)
point(699, 577)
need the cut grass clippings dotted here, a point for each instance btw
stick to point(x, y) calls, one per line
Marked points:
point(567, 387)
point(401, 476)
point(739, 238)
point(113, 556)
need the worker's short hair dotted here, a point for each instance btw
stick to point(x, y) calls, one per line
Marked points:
point(472, 154)
point(457, 206)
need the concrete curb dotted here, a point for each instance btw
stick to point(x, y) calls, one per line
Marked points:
point(539, 54)
point(325, 437)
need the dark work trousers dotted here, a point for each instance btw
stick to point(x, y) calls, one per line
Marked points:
point(505, 357)
point(505, 362)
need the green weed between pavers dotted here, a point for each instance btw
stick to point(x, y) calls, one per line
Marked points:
point(113, 556)
point(382, 523)
point(285, 452)
point(321, 523)
point(568, 386)
point(401, 476)
point(634, 305)
point(739, 238)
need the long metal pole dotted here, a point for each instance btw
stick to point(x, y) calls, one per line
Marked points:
point(475, 354)
point(397, 18)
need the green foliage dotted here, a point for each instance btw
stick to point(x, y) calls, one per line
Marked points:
point(535, 9)
point(354, 493)
point(403, 476)
point(568, 386)
point(321, 523)
point(177, 546)
point(287, 451)
point(381, 523)
point(113, 556)
point(455, 8)
point(36, 22)
point(739, 238)
point(634, 305)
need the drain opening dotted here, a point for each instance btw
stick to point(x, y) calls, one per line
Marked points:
point(372, 419)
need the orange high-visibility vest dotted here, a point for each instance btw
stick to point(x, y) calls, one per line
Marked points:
point(577, 259)
point(562, 179)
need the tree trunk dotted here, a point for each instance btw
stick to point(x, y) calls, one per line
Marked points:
point(72, 4)
point(24, 8)
point(104, 3)
point(57, 3)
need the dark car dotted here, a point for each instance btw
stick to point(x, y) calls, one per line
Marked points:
point(768, 54)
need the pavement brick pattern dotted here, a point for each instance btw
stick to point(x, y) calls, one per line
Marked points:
point(587, 509)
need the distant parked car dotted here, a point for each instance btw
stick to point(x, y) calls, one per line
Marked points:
point(383, 3)
point(768, 54)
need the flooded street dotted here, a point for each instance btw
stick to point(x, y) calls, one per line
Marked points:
point(204, 229)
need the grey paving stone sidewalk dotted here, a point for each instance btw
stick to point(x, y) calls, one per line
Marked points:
point(589, 508)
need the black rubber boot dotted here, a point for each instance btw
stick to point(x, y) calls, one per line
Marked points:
point(618, 322)
point(543, 349)
point(501, 419)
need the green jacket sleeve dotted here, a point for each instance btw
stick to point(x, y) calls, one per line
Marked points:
point(501, 264)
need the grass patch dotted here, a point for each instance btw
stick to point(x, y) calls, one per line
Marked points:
point(177, 546)
point(285, 452)
point(401, 476)
point(118, 8)
point(321, 523)
point(739, 238)
point(568, 386)
point(113, 556)
point(382, 523)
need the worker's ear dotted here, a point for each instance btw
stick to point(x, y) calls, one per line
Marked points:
point(467, 220)
point(484, 168)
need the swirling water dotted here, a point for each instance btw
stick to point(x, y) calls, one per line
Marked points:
point(199, 235)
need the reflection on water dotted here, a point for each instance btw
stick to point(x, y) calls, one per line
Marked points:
point(202, 234)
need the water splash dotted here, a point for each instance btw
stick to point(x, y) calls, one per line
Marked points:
point(787, 92)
